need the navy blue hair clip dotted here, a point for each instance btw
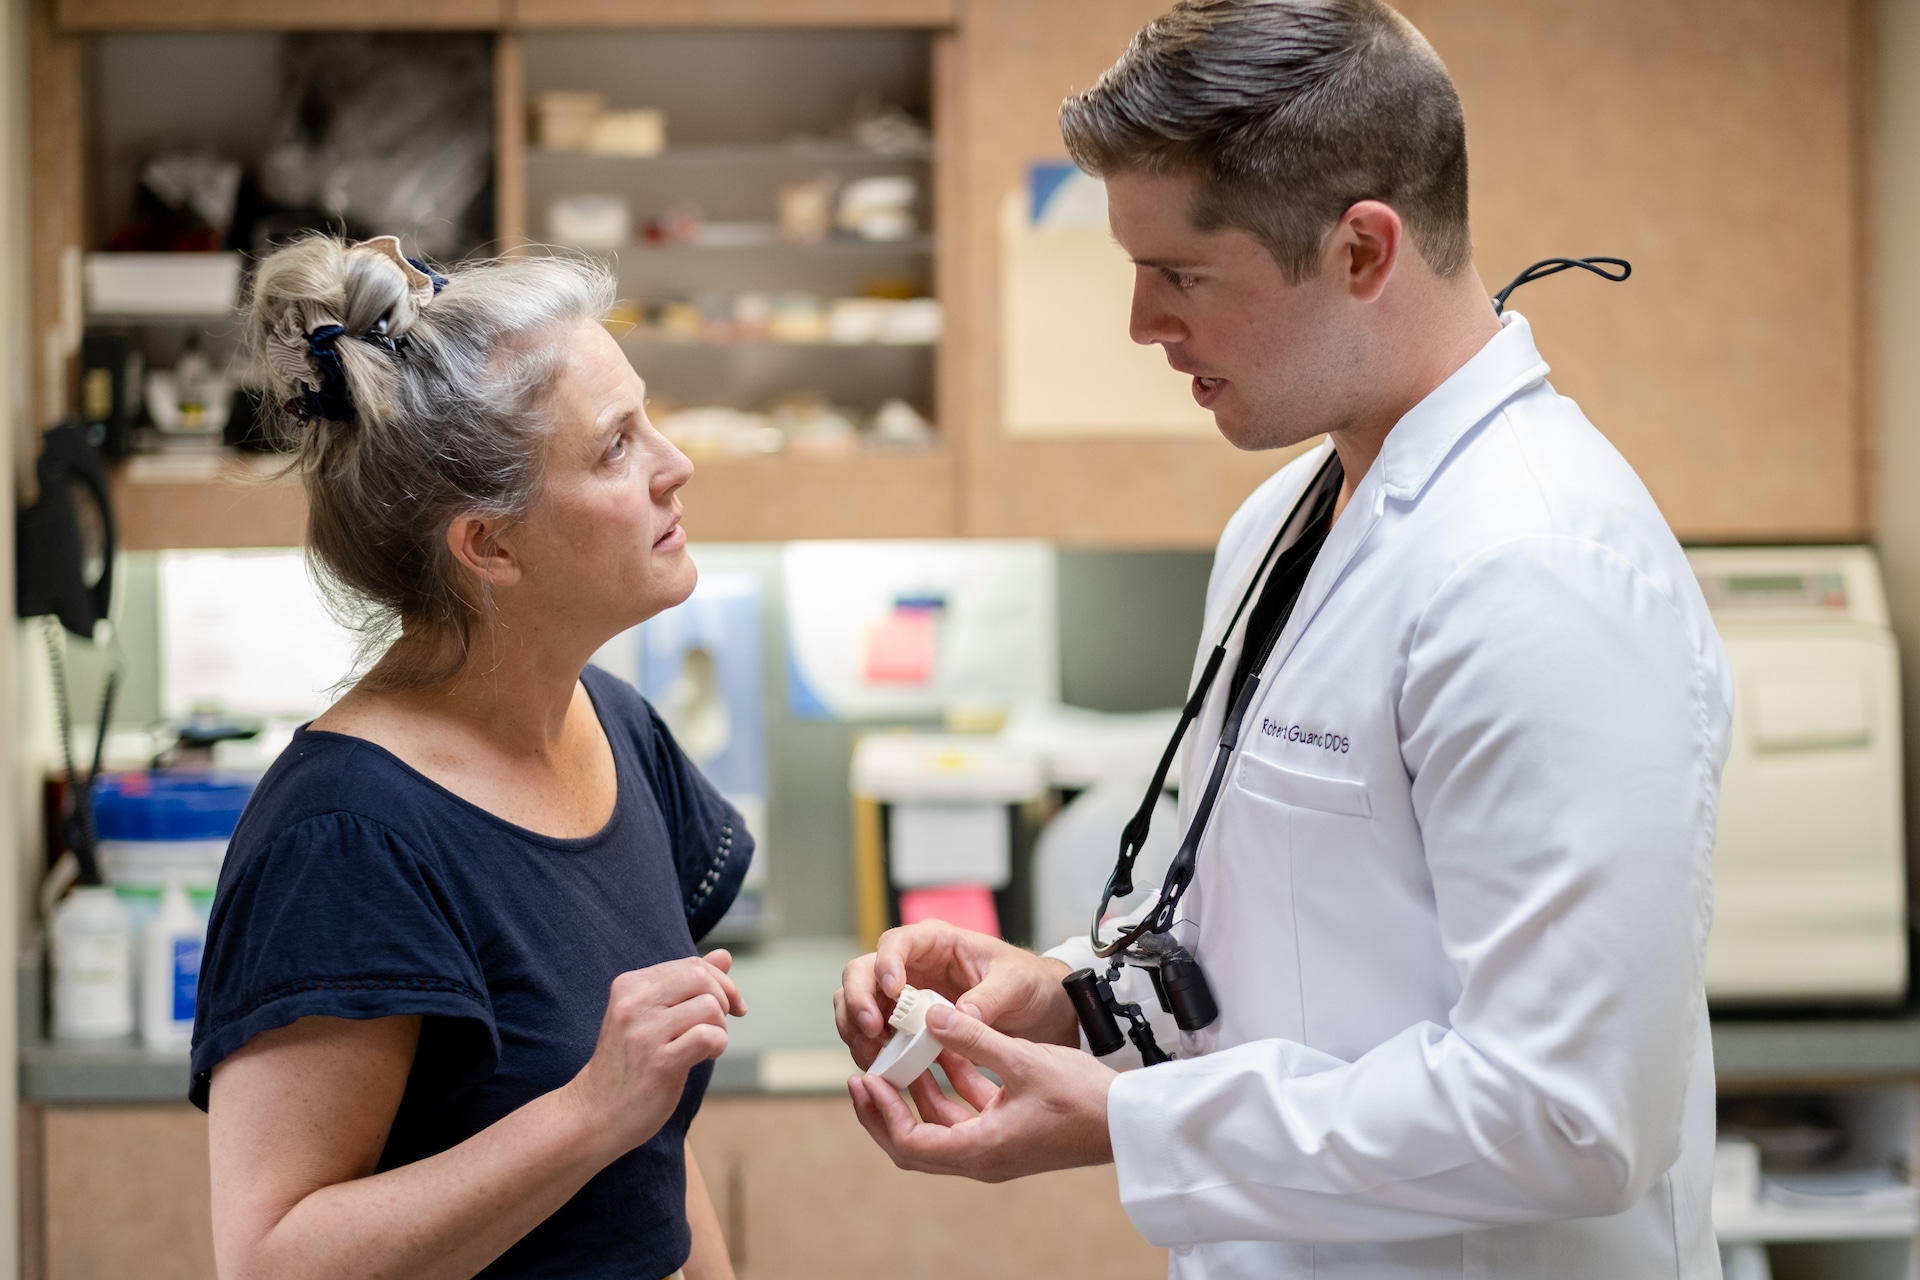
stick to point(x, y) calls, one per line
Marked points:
point(330, 400)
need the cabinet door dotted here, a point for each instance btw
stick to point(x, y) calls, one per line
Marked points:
point(123, 1191)
point(803, 1193)
point(1712, 144)
point(267, 15)
point(759, 13)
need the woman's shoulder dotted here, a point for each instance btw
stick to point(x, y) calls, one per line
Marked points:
point(331, 779)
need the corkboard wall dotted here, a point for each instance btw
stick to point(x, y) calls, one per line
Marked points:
point(1711, 142)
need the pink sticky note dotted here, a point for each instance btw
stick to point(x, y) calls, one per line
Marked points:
point(970, 906)
point(900, 648)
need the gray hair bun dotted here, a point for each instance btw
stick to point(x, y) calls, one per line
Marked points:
point(414, 404)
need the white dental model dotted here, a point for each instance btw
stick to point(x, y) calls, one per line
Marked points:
point(912, 1048)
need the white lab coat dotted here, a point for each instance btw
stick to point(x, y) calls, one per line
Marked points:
point(1454, 900)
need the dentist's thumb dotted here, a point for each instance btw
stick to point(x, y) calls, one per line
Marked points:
point(975, 1041)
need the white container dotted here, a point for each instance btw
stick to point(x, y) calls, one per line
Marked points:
point(140, 870)
point(163, 284)
point(170, 971)
point(598, 224)
point(92, 967)
point(635, 131)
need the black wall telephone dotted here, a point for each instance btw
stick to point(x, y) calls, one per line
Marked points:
point(64, 546)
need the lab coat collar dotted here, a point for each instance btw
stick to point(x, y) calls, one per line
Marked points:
point(1420, 441)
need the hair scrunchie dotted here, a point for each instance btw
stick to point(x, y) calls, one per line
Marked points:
point(330, 400)
point(310, 357)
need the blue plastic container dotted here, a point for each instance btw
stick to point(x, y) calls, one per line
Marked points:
point(164, 826)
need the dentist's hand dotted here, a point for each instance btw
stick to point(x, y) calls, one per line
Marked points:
point(1002, 985)
point(1050, 1112)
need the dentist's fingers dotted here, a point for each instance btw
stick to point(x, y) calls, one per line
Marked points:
point(933, 1104)
point(975, 1088)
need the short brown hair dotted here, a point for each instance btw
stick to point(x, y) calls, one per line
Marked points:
point(1287, 112)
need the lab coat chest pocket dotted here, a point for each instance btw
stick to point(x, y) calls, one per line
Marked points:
point(1345, 797)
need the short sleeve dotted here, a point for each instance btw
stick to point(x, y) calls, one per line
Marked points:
point(712, 848)
point(332, 916)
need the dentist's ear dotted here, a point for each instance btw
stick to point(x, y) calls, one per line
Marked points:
point(1365, 247)
point(479, 543)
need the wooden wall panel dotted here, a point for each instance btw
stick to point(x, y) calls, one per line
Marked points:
point(1712, 144)
point(127, 1193)
point(276, 15)
point(56, 195)
point(1709, 142)
point(805, 1195)
point(1019, 60)
point(509, 143)
point(744, 13)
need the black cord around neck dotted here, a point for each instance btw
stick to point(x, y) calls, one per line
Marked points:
point(1553, 266)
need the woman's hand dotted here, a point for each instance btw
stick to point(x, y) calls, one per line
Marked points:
point(659, 1023)
point(1009, 989)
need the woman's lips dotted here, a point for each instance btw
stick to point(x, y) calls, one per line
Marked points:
point(673, 539)
point(1207, 390)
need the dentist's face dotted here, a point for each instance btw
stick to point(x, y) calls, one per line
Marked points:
point(1273, 360)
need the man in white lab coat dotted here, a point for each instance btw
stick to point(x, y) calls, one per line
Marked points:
point(1453, 898)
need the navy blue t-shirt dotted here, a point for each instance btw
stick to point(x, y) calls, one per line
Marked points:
point(357, 888)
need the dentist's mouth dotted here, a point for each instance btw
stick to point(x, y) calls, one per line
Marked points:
point(1205, 390)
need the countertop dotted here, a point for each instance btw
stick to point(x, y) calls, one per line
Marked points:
point(786, 1043)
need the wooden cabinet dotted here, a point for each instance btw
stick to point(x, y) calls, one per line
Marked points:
point(803, 1193)
point(800, 1188)
point(268, 15)
point(755, 13)
point(115, 1191)
point(1714, 144)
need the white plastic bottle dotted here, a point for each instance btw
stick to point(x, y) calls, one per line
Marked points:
point(92, 966)
point(170, 971)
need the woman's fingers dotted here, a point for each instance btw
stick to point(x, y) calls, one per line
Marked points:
point(722, 960)
point(675, 981)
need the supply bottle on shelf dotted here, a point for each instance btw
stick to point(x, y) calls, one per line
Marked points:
point(170, 971)
point(92, 966)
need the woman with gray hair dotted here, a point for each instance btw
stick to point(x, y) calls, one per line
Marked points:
point(451, 1016)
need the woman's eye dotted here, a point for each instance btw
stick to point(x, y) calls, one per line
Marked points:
point(618, 449)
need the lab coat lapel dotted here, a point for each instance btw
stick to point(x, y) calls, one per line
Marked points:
point(1411, 453)
point(1197, 751)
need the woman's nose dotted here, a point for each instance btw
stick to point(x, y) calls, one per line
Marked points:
point(672, 469)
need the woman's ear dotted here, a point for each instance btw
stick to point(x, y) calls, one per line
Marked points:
point(477, 542)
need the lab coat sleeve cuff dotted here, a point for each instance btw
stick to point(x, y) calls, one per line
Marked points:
point(1143, 1123)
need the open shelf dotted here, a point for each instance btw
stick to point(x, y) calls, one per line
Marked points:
point(799, 151)
point(164, 503)
point(783, 496)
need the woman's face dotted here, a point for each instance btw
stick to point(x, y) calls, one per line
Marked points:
point(602, 549)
